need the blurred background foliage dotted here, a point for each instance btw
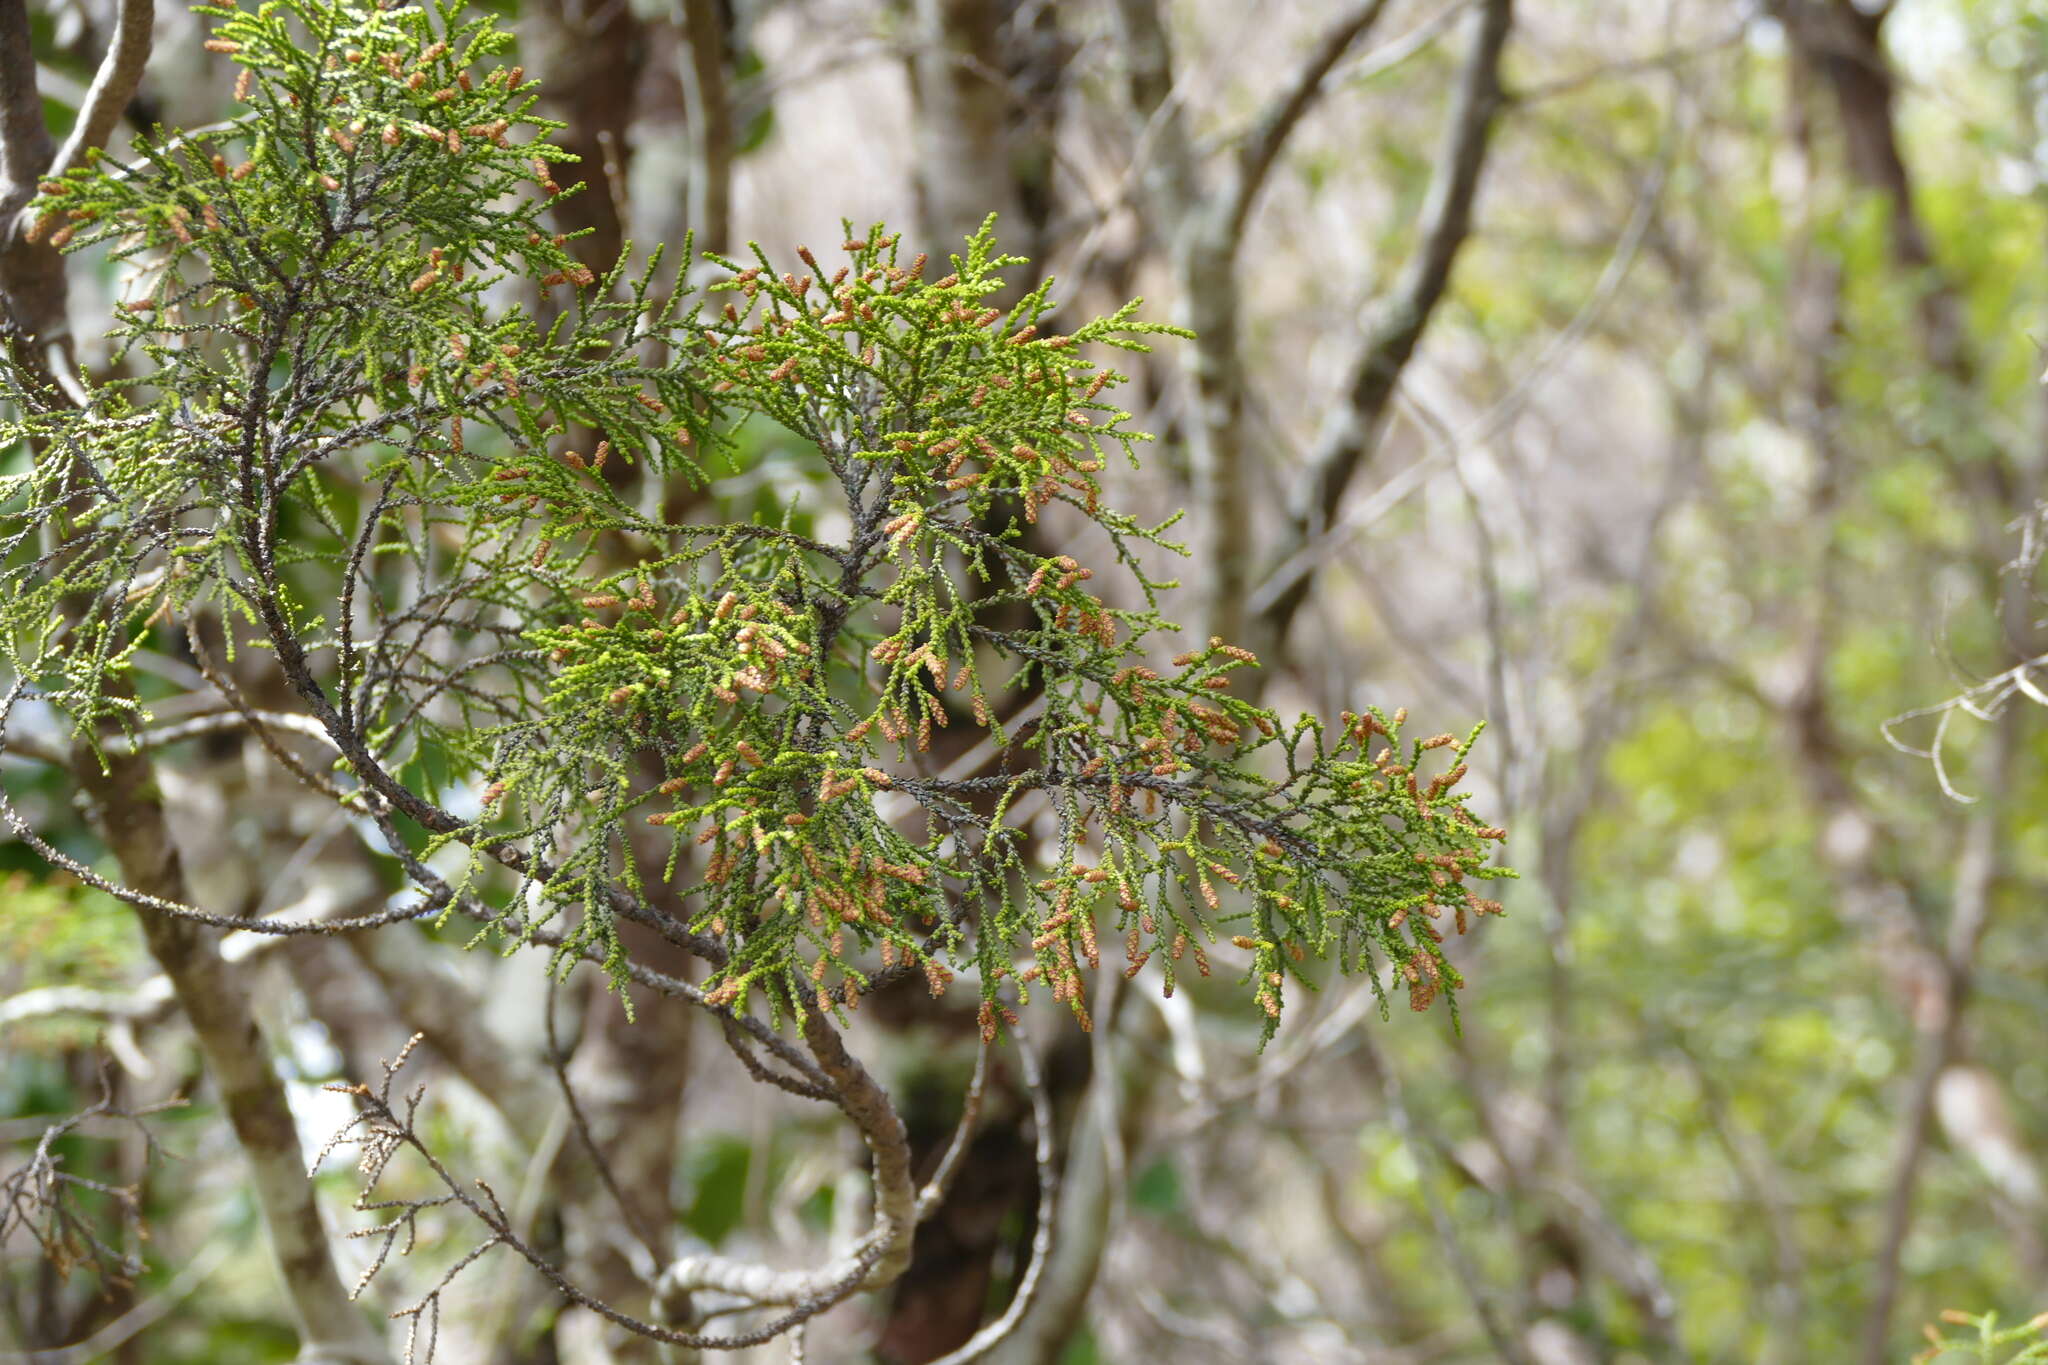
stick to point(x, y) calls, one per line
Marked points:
point(1714, 460)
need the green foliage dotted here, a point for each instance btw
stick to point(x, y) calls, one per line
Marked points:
point(60, 935)
point(1991, 1344)
point(350, 441)
point(56, 935)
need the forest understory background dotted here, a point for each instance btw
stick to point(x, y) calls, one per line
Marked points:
point(1658, 384)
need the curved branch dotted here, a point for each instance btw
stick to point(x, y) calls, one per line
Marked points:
point(211, 723)
point(558, 1063)
point(1206, 228)
point(884, 1252)
point(1316, 551)
point(147, 1001)
point(115, 83)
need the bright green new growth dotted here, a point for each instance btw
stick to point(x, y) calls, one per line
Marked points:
point(2026, 1342)
point(352, 442)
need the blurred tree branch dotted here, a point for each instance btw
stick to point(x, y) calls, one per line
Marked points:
point(1394, 324)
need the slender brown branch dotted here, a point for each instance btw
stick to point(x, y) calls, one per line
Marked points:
point(108, 1340)
point(446, 1011)
point(558, 1063)
point(1205, 224)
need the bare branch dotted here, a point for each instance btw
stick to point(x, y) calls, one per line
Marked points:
point(445, 1010)
point(113, 85)
point(934, 1192)
point(1291, 574)
point(558, 1063)
point(1984, 701)
point(380, 1132)
point(32, 291)
point(1663, 60)
point(1205, 226)
point(883, 1253)
point(212, 723)
point(25, 146)
point(36, 1197)
point(1269, 133)
point(104, 1343)
point(1397, 321)
point(148, 1001)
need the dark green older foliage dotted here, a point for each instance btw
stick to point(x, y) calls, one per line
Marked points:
point(350, 443)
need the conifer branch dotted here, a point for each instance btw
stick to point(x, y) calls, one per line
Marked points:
point(361, 465)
